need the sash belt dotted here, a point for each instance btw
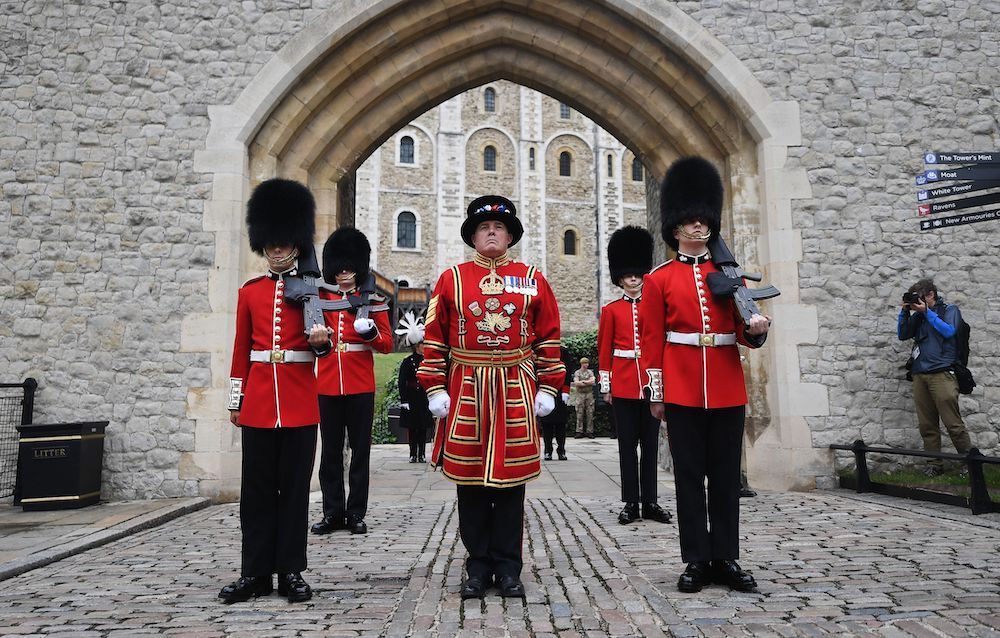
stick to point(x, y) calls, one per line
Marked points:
point(626, 354)
point(282, 356)
point(707, 340)
point(490, 358)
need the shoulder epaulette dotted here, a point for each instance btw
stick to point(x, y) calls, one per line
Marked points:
point(377, 297)
point(250, 281)
point(661, 265)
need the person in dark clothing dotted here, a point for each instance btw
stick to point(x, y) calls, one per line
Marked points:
point(554, 424)
point(932, 324)
point(414, 414)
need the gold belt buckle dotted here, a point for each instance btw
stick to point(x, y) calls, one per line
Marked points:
point(341, 347)
point(708, 339)
point(276, 356)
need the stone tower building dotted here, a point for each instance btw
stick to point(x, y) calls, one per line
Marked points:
point(572, 181)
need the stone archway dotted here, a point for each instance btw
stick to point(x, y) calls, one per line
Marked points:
point(646, 72)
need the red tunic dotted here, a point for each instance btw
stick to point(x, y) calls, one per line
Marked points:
point(676, 298)
point(619, 330)
point(482, 332)
point(275, 395)
point(351, 371)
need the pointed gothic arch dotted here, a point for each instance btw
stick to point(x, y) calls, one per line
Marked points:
point(646, 72)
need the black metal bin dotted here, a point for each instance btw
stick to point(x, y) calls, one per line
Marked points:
point(59, 465)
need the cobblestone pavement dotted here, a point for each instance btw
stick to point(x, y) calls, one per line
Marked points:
point(829, 563)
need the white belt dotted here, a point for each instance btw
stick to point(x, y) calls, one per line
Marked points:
point(701, 339)
point(351, 347)
point(626, 354)
point(282, 356)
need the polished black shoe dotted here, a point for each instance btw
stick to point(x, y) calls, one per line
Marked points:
point(562, 456)
point(695, 576)
point(473, 587)
point(510, 587)
point(729, 573)
point(653, 512)
point(413, 459)
point(328, 524)
point(548, 456)
point(421, 459)
point(629, 513)
point(747, 492)
point(293, 587)
point(245, 588)
point(357, 525)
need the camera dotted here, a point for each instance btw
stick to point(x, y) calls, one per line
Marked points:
point(911, 297)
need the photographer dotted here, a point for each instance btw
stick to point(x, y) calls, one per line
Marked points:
point(932, 324)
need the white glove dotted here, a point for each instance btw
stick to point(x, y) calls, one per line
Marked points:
point(565, 397)
point(438, 404)
point(405, 406)
point(544, 403)
point(362, 326)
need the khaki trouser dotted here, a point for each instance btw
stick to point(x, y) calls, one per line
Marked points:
point(936, 396)
point(585, 411)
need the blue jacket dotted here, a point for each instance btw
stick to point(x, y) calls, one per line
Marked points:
point(933, 334)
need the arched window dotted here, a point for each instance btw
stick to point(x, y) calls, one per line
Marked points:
point(569, 242)
point(406, 150)
point(531, 158)
point(565, 164)
point(611, 169)
point(406, 230)
point(490, 100)
point(403, 283)
point(636, 170)
point(490, 159)
point(563, 111)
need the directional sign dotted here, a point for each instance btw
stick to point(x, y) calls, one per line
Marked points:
point(955, 189)
point(959, 220)
point(941, 157)
point(958, 204)
point(983, 172)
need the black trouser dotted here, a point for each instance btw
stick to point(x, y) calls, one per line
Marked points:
point(417, 437)
point(706, 444)
point(274, 498)
point(637, 427)
point(491, 522)
point(558, 430)
point(353, 414)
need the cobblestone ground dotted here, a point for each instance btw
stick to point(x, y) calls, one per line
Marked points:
point(827, 563)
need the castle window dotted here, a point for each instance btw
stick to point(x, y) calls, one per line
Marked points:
point(406, 150)
point(406, 230)
point(565, 164)
point(490, 159)
point(531, 158)
point(569, 242)
point(611, 170)
point(636, 170)
point(490, 100)
point(564, 111)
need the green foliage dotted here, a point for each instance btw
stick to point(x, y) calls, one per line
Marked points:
point(387, 395)
point(584, 344)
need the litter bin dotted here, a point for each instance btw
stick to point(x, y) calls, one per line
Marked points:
point(59, 465)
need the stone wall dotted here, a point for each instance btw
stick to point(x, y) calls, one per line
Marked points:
point(104, 104)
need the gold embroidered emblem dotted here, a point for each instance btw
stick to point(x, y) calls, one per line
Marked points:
point(492, 303)
point(476, 309)
point(491, 284)
point(494, 322)
point(493, 342)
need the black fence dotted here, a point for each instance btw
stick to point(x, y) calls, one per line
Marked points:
point(978, 501)
point(17, 401)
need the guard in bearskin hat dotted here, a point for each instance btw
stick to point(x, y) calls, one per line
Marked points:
point(346, 379)
point(272, 397)
point(691, 360)
point(414, 415)
point(491, 367)
point(630, 257)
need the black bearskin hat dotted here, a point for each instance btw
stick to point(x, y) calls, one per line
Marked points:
point(346, 249)
point(630, 252)
point(692, 189)
point(281, 211)
point(490, 207)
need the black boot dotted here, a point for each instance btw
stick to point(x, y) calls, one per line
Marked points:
point(695, 576)
point(629, 513)
point(653, 512)
point(294, 587)
point(729, 573)
point(245, 588)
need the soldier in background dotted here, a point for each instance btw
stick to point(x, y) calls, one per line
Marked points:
point(583, 399)
point(630, 256)
point(491, 367)
point(413, 412)
point(691, 359)
point(346, 380)
point(272, 397)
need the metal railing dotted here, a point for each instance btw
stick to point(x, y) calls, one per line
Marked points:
point(17, 402)
point(978, 501)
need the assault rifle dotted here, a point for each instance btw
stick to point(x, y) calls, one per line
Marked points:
point(729, 282)
point(305, 287)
